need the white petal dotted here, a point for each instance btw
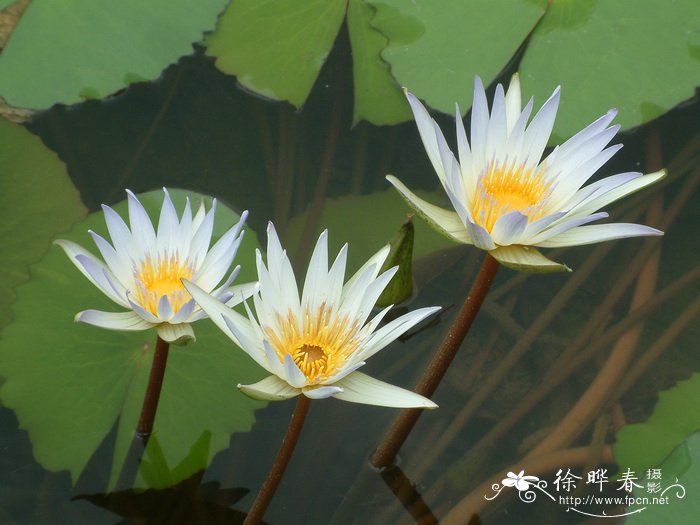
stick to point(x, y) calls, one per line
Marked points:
point(599, 233)
point(242, 292)
point(361, 388)
point(375, 263)
point(562, 226)
point(526, 259)
point(185, 311)
point(139, 221)
point(177, 334)
point(272, 388)
point(321, 392)
point(76, 253)
point(538, 132)
point(479, 126)
point(392, 330)
point(281, 274)
point(336, 276)
point(199, 245)
point(168, 223)
point(463, 150)
point(118, 264)
point(120, 235)
point(165, 311)
point(618, 192)
point(427, 130)
point(513, 102)
point(371, 294)
point(101, 277)
point(233, 324)
point(445, 221)
point(148, 316)
point(509, 228)
point(114, 320)
point(292, 374)
point(498, 125)
point(479, 236)
point(316, 281)
point(218, 261)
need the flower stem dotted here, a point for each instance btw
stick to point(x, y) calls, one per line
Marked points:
point(403, 424)
point(155, 382)
point(267, 491)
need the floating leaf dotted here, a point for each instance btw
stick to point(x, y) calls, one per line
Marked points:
point(378, 98)
point(29, 172)
point(75, 49)
point(69, 383)
point(676, 415)
point(276, 48)
point(643, 60)
point(678, 488)
point(436, 48)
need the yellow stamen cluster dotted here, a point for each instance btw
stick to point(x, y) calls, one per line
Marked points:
point(159, 277)
point(320, 343)
point(503, 189)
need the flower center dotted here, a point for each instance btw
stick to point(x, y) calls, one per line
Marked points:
point(503, 189)
point(159, 278)
point(320, 343)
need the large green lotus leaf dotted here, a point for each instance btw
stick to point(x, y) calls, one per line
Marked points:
point(69, 383)
point(74, 49)
point(378, 98)
point(29, 172)
point(436, 48)
point(676, 415)
point(353, 219)
point(276, 48)
point(678, 488)
point(642, 58)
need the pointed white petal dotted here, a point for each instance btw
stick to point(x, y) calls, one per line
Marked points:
point(463, 150)
point(165, 310)
point(167, 224)
point(526, 259)
point(391, 331)
point(177, 334)
point(292, 374)
point(321, 392)
point(148, 316)
point(479, 126)
point(361, 388)
point(375, 262)
point(241, 292)
point(563, 226)
point(199, 245)
point(184, 313)
point(610, 196)
point(316, 281)
point(119, 265)
point(336, 276)
point(76, 254)
point(445, 221)
point(114, 320)
point(599, 233)
point(272, 388)
point(538, 132)
point(121, 236)
point(509, 228)
point(427, 130)
point(233, 324)
point(139, 221)
point(479, 236)
point(101, 277)
point(513, 102)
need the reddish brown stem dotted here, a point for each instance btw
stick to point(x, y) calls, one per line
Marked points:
point(404, 423)
point(267, 491)
point(155, 383)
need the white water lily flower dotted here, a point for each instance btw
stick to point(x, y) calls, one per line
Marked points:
point(315, 345)
point(143, 268)
point(506, 201)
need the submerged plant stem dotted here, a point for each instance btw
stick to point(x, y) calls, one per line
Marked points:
point(155, 383)
point(403, 424)
point(267, 491)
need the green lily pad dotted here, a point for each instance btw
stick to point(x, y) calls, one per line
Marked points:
point(69, 383)
point(677, 489)
point(436, 48)
point(676, 415)
point(28, 220)
point(641, 59)
point(353, 219)
point(75, 49)
point(378, 98)
point(276, 48)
